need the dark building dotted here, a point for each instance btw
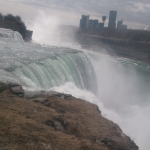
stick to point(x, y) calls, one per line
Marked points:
point(84, 22)
point(100, 25)
point(93, 24)
point(103, 19)
point(112, 19)
point(121, 26)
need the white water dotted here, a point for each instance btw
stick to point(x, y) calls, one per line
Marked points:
point(124, 95)
point(123, 85)
point(7, 33)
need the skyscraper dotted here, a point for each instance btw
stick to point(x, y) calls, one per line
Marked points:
point(121, 26)
point(112, 19)
point(93, 24)
point(84, 22)
point(103, 19)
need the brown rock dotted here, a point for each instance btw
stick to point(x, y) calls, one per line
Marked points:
point(53, 123)
point(17, 90)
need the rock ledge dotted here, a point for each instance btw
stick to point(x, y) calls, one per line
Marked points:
point(55, 121)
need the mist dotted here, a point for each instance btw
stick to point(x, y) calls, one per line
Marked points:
point(49, 29)
point(124, 93)
point(123, 83)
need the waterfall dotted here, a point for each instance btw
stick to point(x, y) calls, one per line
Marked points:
point(7, 33)
point(52, 72)
point(44, 67)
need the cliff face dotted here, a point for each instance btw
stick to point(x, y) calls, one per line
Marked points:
point(55, 121)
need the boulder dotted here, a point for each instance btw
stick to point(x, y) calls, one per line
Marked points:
point(3, 86)
point(13, 85)
point(16, 89)
point(40, 100)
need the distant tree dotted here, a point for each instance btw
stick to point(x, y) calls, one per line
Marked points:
point(1, 16)
point(22, 29)
point(10, 17)
point(18, 19)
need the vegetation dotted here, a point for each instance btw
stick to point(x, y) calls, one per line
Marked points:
point(56, 121)
point(14, 23)
point(1, 16)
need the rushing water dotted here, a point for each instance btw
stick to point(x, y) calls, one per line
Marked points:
point(7, 33)
point(44, 67)
point(119, 86)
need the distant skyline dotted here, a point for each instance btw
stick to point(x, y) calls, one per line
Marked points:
point(136, 14)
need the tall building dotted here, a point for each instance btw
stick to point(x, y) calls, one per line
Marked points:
point(84, 22)
point(93, 24)
point(100, 25)
point(112, 19)
point(121, 26)
point(103, 19)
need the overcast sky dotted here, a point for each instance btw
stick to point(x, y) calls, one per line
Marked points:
point(134, 13)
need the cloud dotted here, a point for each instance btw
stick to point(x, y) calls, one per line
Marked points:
point(129, 10)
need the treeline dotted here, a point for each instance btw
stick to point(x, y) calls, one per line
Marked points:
point(133, 35)
point(9, 18)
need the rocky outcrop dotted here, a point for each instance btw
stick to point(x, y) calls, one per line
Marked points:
point(28, 35)
point(16, 89)
point(52, 121)
point(3, 86)
point(13, 87)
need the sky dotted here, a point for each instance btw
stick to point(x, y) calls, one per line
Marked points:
point(134, 13)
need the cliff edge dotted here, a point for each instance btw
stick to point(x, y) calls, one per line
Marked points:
point(55, 121)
